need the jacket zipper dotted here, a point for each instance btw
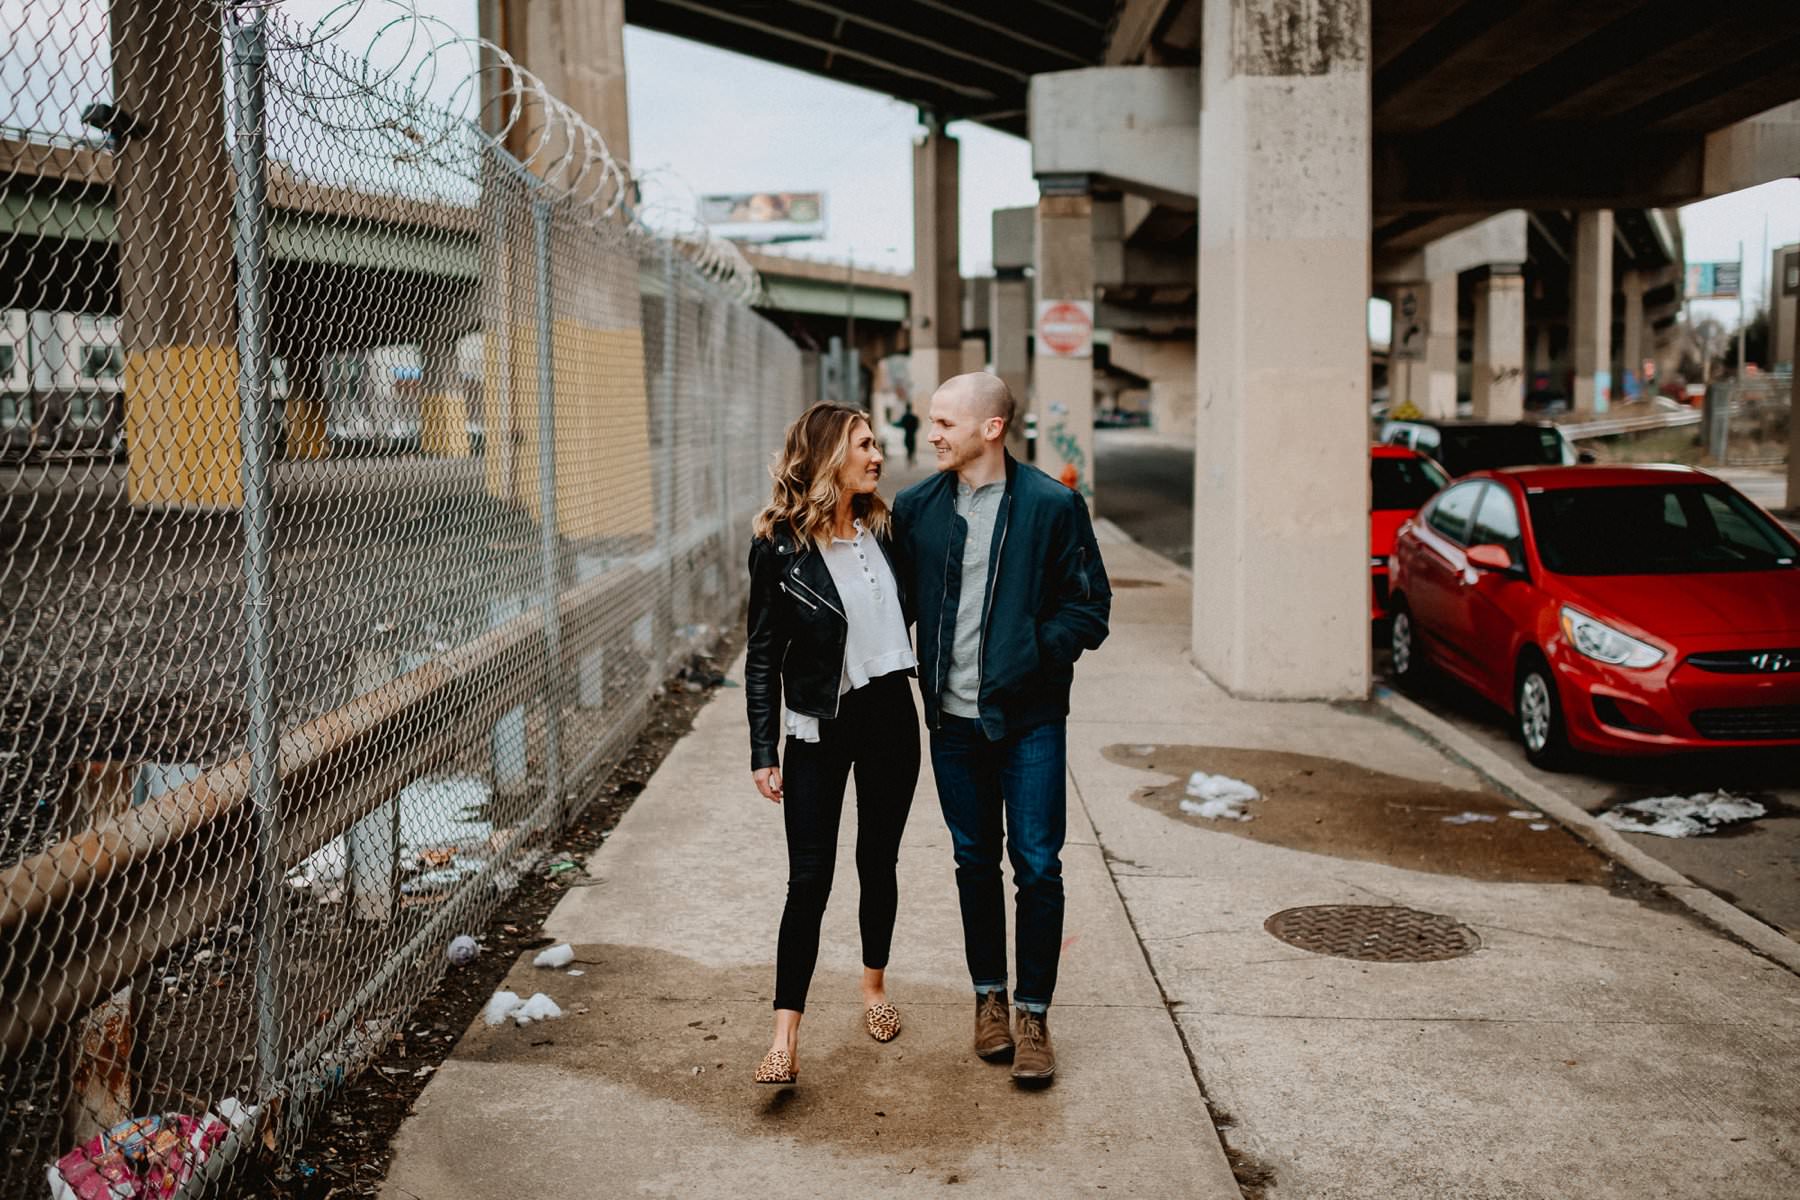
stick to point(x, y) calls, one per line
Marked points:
point(798, 596)
point(943, 672)
point(987, 614)
point(837, 702)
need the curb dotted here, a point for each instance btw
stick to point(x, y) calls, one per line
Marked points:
point(1765, 939)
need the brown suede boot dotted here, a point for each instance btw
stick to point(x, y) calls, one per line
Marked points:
point(993, 1035)
point(1035, 1062)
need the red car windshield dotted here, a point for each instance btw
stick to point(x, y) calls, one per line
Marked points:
point(1654, 531)
point(1402, 483)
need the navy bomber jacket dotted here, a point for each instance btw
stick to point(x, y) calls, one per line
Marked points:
point(1045, 600)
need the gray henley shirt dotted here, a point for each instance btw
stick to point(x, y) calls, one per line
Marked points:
point(979, 507)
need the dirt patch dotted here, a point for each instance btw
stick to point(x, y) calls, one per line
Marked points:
point(688, 1033)
point(1325, 806)
point(347, 1151)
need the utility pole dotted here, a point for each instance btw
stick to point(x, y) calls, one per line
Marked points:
point(852, 360)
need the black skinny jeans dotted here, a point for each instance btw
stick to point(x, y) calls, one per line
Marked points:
point(876, 734)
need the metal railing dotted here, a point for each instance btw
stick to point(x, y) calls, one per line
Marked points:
point(430, 463)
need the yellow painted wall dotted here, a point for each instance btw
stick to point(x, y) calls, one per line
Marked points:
point(181, 427)
point(603, 470)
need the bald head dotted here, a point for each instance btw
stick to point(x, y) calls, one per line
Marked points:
point(986, 396)
point(969, 416)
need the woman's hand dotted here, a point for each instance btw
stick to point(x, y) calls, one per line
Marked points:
point(768, 782)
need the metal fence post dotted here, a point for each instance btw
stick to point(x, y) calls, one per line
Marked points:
point(250, 236)
point(540, 220)
point(665, 501)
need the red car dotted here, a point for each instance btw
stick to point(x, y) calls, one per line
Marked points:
point(1611, 610)
point(1400, 480)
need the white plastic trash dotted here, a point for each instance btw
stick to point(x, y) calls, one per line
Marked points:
point(555, 956)
point(501, 1006)
point(539, 1008)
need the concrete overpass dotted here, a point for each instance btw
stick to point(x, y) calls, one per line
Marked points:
point(1263, 153)
point(397, 272)
point(1270, 151)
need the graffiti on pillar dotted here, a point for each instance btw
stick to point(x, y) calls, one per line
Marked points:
point(1074, 474)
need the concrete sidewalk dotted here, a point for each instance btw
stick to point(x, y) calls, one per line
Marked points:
point(1596, 1044)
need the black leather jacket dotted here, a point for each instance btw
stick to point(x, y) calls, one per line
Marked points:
point(796, 641)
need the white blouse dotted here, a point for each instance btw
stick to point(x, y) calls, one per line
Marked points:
point(875, 643)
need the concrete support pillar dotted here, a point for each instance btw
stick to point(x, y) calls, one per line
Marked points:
point(1281, 542)
point(1631, 353)
point(172, 188)
point(577, 47)
point(1010, 311)
point(1793, 471)
point(1012, 334)
point(1436, 396)
point(1063, 366)
point(601, 407)
point(1168, 363)
point(443, 409)
point(1422, 370)
point(1590, 311)
point(937, 284)
point(1497, 366)
point(1540, 348)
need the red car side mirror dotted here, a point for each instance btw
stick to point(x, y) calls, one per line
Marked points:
point(1490, 558)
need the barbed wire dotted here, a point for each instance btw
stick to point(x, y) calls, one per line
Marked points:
point(439, 87)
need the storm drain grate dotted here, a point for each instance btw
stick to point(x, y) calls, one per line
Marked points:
point(1373, 934)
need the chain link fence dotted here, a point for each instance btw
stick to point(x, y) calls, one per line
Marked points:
point(365, 474)
point(1749, 422)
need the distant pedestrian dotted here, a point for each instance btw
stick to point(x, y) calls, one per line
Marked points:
point(909, 431)
point(826, 664)
point(1008, 590)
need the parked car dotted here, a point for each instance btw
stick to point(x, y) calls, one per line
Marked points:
point(1610, 610)
point(1464, 446)
point(1400, 482)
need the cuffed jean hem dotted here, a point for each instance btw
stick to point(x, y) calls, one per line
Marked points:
point(1040, 1007)
point(988, 988)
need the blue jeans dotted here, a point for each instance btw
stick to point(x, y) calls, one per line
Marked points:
point(1012, 791)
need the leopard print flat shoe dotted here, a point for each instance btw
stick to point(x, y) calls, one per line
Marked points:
point(882, 1021)
point(777, 1067)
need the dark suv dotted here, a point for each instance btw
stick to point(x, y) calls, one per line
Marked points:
point(1463, 446)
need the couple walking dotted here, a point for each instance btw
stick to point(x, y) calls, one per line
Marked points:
point(996, 565)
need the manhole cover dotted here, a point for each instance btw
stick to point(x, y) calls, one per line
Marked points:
point(1373, 934)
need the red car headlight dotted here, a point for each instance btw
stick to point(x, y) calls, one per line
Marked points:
point(1602, 643)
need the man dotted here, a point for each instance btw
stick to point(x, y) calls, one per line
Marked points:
point(1009, 590)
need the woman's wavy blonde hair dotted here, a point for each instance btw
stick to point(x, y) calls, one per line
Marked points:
point(806, 492)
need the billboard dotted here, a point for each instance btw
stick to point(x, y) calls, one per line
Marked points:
point(1713, 280)
point(765, 216)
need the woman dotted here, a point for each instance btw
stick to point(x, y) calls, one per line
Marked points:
point(827, 664)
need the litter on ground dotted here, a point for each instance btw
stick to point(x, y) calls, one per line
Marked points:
point(506, 1006)
point(462, 950)
point(1218, 797)
point(1469, 818)
point(1525, 814)
point(1681, 816)
point(555, 956)
point(501, 1006)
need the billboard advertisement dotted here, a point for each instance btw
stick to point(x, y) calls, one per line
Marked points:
point(1713, 280)
point(765, 216)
